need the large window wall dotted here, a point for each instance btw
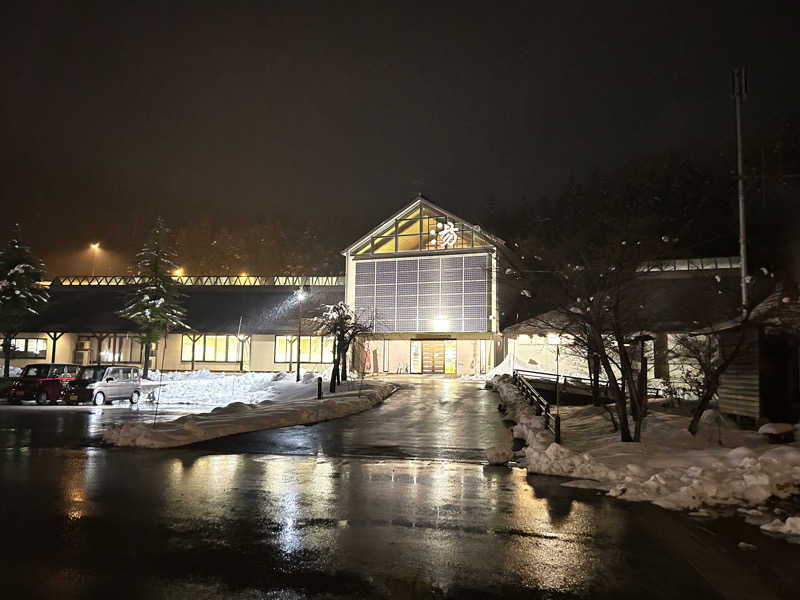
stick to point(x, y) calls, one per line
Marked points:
point(215, 348)
point(313, 349)
point(430, 294)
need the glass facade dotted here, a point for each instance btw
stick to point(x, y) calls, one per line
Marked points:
point(422, 229)
point(427, 294)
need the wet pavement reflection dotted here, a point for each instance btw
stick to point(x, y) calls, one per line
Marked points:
point(390, 503)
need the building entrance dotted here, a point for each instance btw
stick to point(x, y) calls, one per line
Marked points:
point(433, 357)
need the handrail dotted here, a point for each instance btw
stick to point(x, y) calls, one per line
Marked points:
point(603, 383)
point(551, 422)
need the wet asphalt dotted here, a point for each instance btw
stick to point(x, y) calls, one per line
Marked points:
point(390, 503)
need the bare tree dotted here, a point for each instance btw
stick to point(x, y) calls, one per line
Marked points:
point(705, 358)
point(345, 326)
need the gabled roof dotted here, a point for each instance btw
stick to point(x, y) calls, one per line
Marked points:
point(418, 202)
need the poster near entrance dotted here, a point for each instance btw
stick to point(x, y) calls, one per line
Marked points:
point(450, 357)
point(416, 356)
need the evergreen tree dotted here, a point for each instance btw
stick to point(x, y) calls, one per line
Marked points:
point(20, 293)
point(155, 306)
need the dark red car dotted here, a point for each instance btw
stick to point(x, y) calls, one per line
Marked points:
point(44, 382)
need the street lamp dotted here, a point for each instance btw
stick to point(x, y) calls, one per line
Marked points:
point(94, 247)
point(300, 294)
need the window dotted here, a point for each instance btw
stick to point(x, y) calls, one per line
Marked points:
point(431, 294)
point(215, 348)
point(27, 348)
point(313, 349)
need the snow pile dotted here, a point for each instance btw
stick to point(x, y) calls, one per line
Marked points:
point(504, 368)
point(789, 527)
point(498, 456)
point(204, 388)
point(670, 468)
point(238, 417)
point(156, 375)
point(14, 371)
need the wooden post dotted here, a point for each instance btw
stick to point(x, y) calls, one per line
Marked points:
point(55, 336)
point(557, 432)
point(319, 388)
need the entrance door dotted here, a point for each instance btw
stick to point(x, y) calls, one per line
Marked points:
point(432, 356)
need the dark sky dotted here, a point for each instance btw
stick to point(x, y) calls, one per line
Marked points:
point(113, 112)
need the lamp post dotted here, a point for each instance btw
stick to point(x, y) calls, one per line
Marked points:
point(300, 294)
point(94, 247)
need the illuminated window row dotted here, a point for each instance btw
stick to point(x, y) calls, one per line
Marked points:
point(215, 348)
point(313, 349)
point(27, 348)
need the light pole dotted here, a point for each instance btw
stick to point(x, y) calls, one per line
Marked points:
point(739, 85)
point(300, 294)
point(94, 247)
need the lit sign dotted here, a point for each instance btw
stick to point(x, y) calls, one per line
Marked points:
point(447, 235)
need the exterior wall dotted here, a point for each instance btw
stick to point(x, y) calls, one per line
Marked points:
point(468, 352)
point(262, 358)
point(539, 354)
point(739, 390)
point(65, 350)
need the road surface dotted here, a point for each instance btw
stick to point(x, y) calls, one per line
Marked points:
point(390, 503)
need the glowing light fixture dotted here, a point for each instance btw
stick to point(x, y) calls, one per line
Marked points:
point(179, 271)
point(553, 338)
point(441, 324)
point(95, 246)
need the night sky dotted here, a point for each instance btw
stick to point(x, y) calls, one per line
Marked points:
point(114, 112)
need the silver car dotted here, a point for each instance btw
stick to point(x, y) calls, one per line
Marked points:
point(103, 384)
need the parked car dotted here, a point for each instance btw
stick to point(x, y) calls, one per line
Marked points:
point(103, 384)
point(46, 383)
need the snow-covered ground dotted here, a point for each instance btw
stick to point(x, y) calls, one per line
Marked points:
point(204, 388)
point(247, 402)
point(721, 466)
point(506, 367)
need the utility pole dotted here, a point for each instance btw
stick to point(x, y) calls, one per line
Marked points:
point(739, 89)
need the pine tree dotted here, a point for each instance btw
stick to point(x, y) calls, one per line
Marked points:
point(156, 304)
point(21, 296)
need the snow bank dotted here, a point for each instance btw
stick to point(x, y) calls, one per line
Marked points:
point(205, 388)
point(239, 417)
point(156, 375)
point(789, 527)
point(670, 468)
point(504, 368)
point(14, 371)
point(498, 456)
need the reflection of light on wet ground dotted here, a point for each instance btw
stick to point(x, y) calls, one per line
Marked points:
point(79, 477)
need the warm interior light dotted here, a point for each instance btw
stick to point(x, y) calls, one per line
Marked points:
point(243, 274)
point(96, 246)
point(179, 271)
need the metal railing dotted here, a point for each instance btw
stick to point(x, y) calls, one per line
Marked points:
point(551, 422)
point(203, 280)
point(574, 380)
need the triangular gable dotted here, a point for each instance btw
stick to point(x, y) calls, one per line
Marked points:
point(421, 226)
